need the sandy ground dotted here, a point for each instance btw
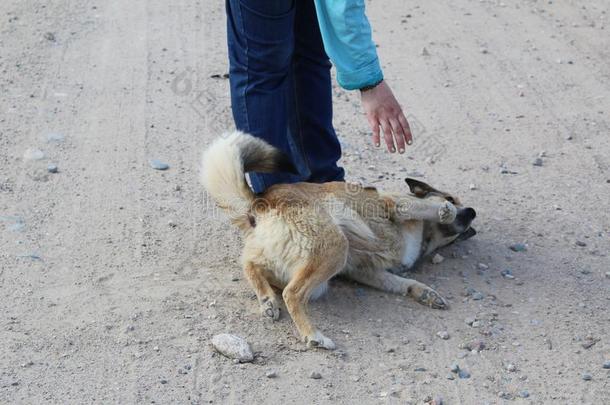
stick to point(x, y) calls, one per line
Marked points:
point(115, 276)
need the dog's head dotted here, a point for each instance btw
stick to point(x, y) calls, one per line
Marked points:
point(439, 235)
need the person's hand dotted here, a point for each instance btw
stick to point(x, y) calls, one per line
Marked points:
point(385, 114)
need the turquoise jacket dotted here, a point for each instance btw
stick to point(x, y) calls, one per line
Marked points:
point(346, 33)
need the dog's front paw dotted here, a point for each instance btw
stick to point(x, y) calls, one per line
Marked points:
point(270, 308)
point(447, 213)
point(428, 297)
point(318, 340)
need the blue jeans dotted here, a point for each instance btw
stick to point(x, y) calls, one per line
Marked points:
point(281, 86)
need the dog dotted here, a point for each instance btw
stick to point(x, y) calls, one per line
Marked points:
point(298, 236)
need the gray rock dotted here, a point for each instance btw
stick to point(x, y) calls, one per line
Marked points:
point(580, 243)
point(454, 368)
point(52, 168)
point(463, 374)
point(477, 296)
point(482, 266)
point(437, 259)
point(450, 377)
point(507, 274)
point(524, 394)
point(443, 334)
point(537, 162)
point(470, 320)
point(518, 247)
point(606, 365)
point(158, 165)
point(49, 36)
point(587, 377)
point(315, 375)
point(511, 367)
point(33, 154)
point(55, 137)
point(233, 347)
point(271, 374)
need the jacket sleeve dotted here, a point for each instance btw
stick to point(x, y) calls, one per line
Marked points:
point(346, 33)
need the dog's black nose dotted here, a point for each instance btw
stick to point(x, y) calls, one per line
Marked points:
point(465, 216)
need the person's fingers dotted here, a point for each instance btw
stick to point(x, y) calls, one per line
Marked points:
point(399, 136)
point(406, 128)
point(374, 123)
point(387, 135)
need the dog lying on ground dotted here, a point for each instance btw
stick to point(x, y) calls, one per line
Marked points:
point(298, 236)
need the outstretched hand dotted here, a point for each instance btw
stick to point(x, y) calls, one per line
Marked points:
point(385, 114)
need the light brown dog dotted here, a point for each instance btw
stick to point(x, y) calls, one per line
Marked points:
point(298, 236)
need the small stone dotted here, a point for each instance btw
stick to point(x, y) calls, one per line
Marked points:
point(419, 369)
point(33, 154)
point(606, 365)
point(507, 274)
point(443, 334)
point(172, 224)
point(504, 395)
point(476, 345)
point(163, 381)
point(472, 186)
point(537, 162)
point(477, 296)
point(580, 243)
point(450, 377)
point(524, 394)
point(52, 168)
point(424, 52)
point(463, 374)
point(511, 367)
point(315, 375)
point(436, 259)
point(158, 165)
point(518, 247)
point(55, 137)
point(482, 266)
point(587, 377)
point(589, 342)
point(233, 347)
point(271, 374)
point(483, 50)
point(470, 320)
point(454, 368)
point(437, 401)
point(49, 36)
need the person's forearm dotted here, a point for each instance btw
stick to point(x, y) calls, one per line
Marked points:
point(348, 42)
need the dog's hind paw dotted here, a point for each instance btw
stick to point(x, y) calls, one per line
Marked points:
point(447, 213)
point(270, 309)
point(318, 340)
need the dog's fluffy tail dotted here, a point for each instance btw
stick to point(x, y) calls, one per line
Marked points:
point(227, 160)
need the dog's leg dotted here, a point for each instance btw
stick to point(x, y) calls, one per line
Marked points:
point(319, 269)
point(264, 292)
point(412, 208)
point(389, 282)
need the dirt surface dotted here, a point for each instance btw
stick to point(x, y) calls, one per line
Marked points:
point(115, 276)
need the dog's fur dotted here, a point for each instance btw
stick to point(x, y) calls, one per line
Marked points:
point(298, 236)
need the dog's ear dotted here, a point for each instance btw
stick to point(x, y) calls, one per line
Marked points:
point(419, 188)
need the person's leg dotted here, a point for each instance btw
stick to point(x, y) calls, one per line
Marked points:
point(260, 36)
point(313, 110)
